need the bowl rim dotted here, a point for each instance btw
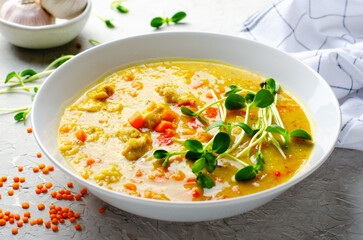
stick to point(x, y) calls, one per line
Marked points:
point(84, 13)
point(268, 192)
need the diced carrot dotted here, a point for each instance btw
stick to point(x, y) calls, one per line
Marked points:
point(198, 85)
point(195, 193)
point(191, 180)
point(139, 173)
point(130, 186)
point(137, 120)
point(163, 125)
point(64, 129)
point(137, 85)
point(211, 112)
point(81, 135)
point(169, 115)
point(90, 162)
point(169, 133)
point(209, 95)
point(163, 140)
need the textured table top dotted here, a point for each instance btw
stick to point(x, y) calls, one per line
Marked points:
point(327, 205)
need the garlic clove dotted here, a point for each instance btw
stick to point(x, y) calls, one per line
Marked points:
point(64, 8)
point(26, 12)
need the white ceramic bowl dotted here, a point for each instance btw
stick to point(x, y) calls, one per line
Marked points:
point(72, 77)
point(48, 36)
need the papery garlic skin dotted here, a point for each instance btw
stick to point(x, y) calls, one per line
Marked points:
point(26, 12)
point(64, 8)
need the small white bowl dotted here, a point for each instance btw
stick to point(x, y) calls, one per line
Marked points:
point(73, 76)
point(48, 36)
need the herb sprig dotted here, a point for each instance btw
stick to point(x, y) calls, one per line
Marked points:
point(17, 81)
point(108, 22)
point(157, 22)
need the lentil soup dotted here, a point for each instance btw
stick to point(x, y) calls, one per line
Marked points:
point(109, 135)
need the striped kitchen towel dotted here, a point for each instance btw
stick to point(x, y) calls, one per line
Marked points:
point(328, 36)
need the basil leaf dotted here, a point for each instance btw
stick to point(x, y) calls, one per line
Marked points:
point(193, 155)
point(159, 154)
point(211, 162)
point(301, 133)
point(198, 165)
point(245, 127)
point(263, 98)
point(234, 102)
point(193, 145)
point(157, 22)
point(187, 111)
point(221, 142)
point(178, 16)
point(245, 173)
point(218, 123)
point(204, 180)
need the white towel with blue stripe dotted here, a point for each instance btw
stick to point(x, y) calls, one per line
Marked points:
point(327, 35)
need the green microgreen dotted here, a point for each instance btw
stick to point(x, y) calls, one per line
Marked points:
point(157, 22)
point(234, 102)
point(262, 99)
point(106, 21)
point(271, 85)
point(298, 133)
point(204, 180)
point(249, 172)
point(117, 5)
point(94, 42)
point(15, 79)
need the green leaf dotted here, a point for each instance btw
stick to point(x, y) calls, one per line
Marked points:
point(193, 145)
point(204, 180)
point(276, 129)
point(20, 116)
point(94, 42)
point(202, 120)
point(234, 102)
point(59, 63)
point(198, 165)
point(193, 155)
point(36, 89)
point(301, 133)
point(245, 173)
point(211, 162)
point(249, 97)
point(187, 111)
point(233, 88)
point(11, 76)
point(221, 142)
point(218, 123)
point(245, 127)
point(159, 154)
point(178, 17)
point(260, 161)
point(122, 9)
point(28, 72)
point(157, 22)
point(109, 23)
point(263, 98)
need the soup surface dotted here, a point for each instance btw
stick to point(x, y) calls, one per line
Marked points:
point(109, 135)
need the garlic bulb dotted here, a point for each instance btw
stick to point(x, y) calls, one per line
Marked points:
point(64, 8)
point(26, 12)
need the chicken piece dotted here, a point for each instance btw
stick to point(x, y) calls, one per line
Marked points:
point(154, 117)
point(102, 92)
point(171, 95)
point(135, 148)
point(128, 132)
